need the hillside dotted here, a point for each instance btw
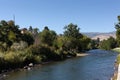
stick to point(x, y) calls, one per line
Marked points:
point(102, 36)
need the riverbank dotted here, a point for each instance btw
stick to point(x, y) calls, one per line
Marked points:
point(116, 75)
point(27, 67)
point(118, 68)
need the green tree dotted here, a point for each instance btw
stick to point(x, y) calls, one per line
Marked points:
point(28, 38)
point(83, 43)
point(12, 36)
point(31, 29)
point(94, 44)
point(11, 23)
point(108, 44)
point(73, 38)
point(35, 31)
point(3, 23)
point(72, 30)
point(48, 36)
point(117, 26)
point(9, 32)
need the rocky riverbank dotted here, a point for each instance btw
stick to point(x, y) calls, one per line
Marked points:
point(116, 75)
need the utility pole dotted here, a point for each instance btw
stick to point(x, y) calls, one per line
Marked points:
point(14, 18)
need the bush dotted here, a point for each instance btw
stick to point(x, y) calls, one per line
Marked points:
point(37, 58)
point(13, 59)
point(29, 57)
point(108, 44)
point(3, 47)
point(16, 59)
point(118, 59)
point(46, 52)
point(19, 46)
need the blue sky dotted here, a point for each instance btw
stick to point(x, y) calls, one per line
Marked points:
point(89, 15)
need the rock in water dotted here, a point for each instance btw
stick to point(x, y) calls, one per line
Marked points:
point(31, 65)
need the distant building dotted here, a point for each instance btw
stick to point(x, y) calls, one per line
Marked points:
point(23, 31)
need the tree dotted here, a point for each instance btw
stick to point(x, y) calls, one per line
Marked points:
point(83, 43)
point(108, 44)
point(9, 32)
point(11, 23)
point(46, 28)
point(12, 36)
point(3, 23)
point(74, 40)
point(31, 29)
point(94, 44)
point(117, 26)
point(72, 31)
point(47, 36)
point(28, 38)
point(35, 31)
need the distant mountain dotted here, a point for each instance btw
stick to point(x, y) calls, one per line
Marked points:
point(102, 36)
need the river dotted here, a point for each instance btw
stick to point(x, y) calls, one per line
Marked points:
point(99, 65)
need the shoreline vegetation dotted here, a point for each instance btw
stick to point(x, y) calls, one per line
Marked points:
point(25, 48)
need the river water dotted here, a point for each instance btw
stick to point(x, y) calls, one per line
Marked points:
point(99, 65)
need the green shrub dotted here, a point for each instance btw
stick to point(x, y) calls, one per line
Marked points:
point(118, 59)
point(19, 46)
point(37, 58)
point(108, 44)
point(1, 54)
point(116, 49)
point(3, 47)
point(46, 52)
point(14, 57)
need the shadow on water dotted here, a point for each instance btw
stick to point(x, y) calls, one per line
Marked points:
point(99, 65)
